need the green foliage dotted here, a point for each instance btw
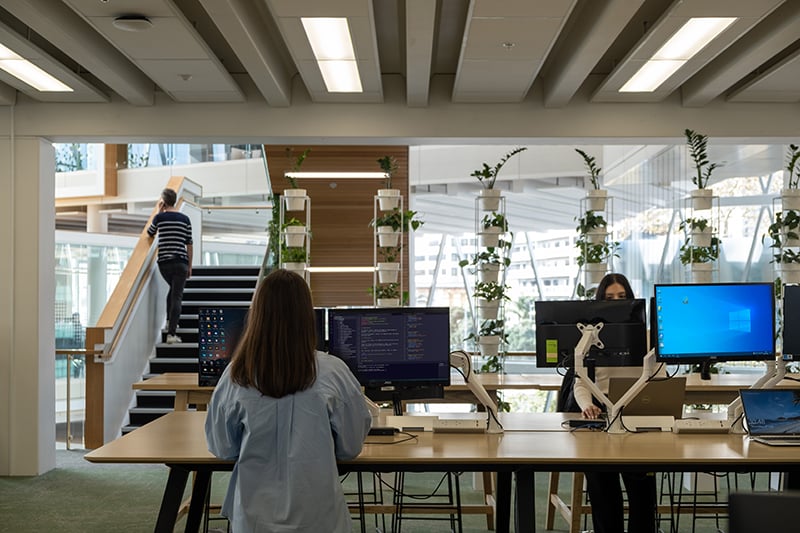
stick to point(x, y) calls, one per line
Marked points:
point(389, 254)
point(591, 165)
point(698, 150)
point(694, 224)
point(386, 290)
point(699, 254)
point(388, 164)
point(584, 293)
point(296, 163)
point(489, 256)
point(793, 165)
point(491, 291)
point(495, 220)
point(398, 220)
point(590, 221)
point(274, 231)
point(293, 254)
point(488, 175)
point(785, 226)
point(599, 252)
point(70, 157)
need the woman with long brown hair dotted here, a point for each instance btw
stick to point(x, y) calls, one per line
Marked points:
point(285, 413)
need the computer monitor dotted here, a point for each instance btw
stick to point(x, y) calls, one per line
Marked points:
point(790, 317)
point(218, 333)
point(703, 323)
point(320, 323)
point(624, 332)
point(398, 353)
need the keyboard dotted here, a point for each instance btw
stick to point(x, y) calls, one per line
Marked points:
point(693, 425)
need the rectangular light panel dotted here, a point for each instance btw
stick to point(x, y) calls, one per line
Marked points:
point(27, 72)
point(333, 49)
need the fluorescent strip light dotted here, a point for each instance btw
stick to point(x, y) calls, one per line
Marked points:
point(333, 49)
point(27, 72)
point(652, 74)
point(336, 175)
point(692, 37)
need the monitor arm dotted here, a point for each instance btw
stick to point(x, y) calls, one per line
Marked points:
point(589, 338)
point(775, 372)
point(461, 361)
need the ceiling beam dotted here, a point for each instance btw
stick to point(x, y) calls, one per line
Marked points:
point(420, 26)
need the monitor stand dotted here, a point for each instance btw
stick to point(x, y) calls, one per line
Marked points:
point(589, 338)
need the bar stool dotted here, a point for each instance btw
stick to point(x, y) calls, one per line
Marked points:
point(571, 512)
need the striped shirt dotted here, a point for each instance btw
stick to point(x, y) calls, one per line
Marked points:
point(174, 235)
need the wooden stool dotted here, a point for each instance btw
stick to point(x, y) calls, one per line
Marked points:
point(571, 512)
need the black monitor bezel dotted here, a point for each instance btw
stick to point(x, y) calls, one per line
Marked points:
point(565, 313)
point(786, 321)
point(705, 360)
point(402, 389)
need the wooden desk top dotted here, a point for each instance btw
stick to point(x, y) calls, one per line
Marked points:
point(179, 438)
point(172, 381)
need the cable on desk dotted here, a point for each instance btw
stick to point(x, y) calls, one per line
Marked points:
point(408, 437)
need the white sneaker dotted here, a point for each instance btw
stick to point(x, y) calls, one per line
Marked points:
point(172, 339)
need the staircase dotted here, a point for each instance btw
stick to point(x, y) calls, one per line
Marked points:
point(208, 286)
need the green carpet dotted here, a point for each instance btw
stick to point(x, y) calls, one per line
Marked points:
point(81, 497)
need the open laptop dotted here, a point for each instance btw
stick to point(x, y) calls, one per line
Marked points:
point(658, 398)
point(772, 416)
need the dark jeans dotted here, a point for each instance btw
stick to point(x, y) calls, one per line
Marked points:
point(605, 495)
point(175, 274)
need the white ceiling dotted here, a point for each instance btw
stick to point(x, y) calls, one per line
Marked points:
point(489, 51)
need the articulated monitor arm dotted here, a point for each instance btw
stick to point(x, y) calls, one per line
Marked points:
point(775, 372)
point(461, 361)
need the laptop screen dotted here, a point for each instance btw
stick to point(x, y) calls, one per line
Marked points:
point(218, 332)
point(771, 411)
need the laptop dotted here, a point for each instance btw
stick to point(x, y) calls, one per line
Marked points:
point(772, 416)
point(218, 332)
point(658, 398)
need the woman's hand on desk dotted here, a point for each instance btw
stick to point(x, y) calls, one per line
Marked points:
point(591, 412)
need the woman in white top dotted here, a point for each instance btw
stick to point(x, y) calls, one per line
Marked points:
point(605, 492)
point(285, 413)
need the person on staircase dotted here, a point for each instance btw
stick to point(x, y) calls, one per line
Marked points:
point(174, 231)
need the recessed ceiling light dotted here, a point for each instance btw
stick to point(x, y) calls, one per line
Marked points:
point(27, 72)
point(333, 49)
point(132, 23)
point(508, 45)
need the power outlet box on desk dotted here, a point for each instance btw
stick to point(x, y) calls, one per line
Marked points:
point(692, 425)
point(459, 425)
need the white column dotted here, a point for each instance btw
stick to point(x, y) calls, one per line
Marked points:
point(27, 289)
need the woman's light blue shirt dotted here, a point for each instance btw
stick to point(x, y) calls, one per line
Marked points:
point(285, 477)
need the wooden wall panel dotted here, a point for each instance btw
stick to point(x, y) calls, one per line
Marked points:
point(340, 214)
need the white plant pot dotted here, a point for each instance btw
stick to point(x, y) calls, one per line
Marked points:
point(388, 272)
point(701, 238)
point(595, 272)
point(790, 242)
point(701, 199)
point(487, 309)
point(489, 199)
point(790, 199)
point(489, 345)
point(790, 272)
point(295, 236)
point(295, 199)
point(702, 272)
point(388, 302)
point(597, 236)
point(387, 237)
point(388, 199)
point(596, 199)
point(489, 237)
point(297, 268)
point(488, 273)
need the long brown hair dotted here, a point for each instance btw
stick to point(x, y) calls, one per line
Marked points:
point(276, 351)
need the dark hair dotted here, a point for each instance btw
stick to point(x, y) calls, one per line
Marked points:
point(276, 353)
point(169, 197)
point(611, 279)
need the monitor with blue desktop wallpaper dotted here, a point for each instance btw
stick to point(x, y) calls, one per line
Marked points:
point(624, 333)
point(218, 333)
point(790, 323)
point(396, 353)
point(703, 323)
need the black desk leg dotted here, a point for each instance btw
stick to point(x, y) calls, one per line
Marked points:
point(524, 512)
point(171, 501)
point(502, 511)
point(199, 493)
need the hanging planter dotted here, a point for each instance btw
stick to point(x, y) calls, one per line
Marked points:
point(596, 236)
point(790, 199)
point(595, 272)
point(701, 199)
point(295, 236)
point(388, 272)
point(489, 273)
point(388, 302)
point(489, 345)
point(489, 237)
point(294, 199)
point(702, 237)
point(387, 236)
point(388, 199)
point(790, 237)
point(487, 309)
point(489, 199)
point(702, 272)
point(790, 272)
point(596, 199)
point(297, 268)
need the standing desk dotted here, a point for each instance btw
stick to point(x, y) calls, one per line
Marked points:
point(531, 443)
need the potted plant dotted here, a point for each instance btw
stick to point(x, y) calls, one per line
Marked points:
point(488, 262)
point(596, 196)
point(489, 295)
point(593, 258)
point(295, 197)
point(487, 176)
point(388, 198)
point(389, 267)
point(492, 226)
point(790, 195)
point(386, 294)
point(489, 337)
point(698, 151)
point(294, 259)
point(593, 227)
point(784, 233)
point(700, 258)
point(392, 223)
point(294, 232)
point(699, 229)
